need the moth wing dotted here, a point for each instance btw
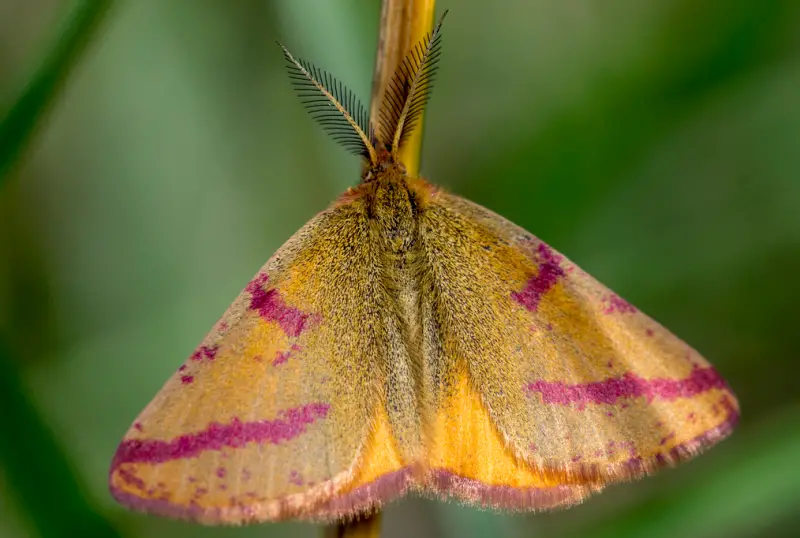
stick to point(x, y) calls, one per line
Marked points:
point(277, 413)
point(539, 371)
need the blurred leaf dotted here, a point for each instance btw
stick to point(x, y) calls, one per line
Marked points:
point(579, 156)
point(19, 122)
point(468, 522)
point(36, 469)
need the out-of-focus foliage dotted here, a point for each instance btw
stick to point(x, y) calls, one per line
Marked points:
point(656, 143)
point(19, 122)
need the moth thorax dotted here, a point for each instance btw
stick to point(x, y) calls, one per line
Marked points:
point(393, 212)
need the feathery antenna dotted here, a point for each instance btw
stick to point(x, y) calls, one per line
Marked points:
point(409, 90)
point(333, 105)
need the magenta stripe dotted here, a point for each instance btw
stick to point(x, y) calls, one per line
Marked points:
point(549, 273)
point(218, 436)
point(629, 385)
point(270, 306)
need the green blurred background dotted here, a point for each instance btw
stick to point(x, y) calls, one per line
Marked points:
point(655, 143)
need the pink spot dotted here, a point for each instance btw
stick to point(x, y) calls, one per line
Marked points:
point(282, 357)
point(258, 358)
point(295, 478)
point(205, 352)
point(623, 406)
point(221, 472)
point(598, 453)
point(138, 426)
point(182, 368)
point(690, 358)
point(634, 464)
point(726, 402)
point(199, 492)
point(131, 479)
point(545, 279)
point(610, 364)
point(191, 479)
point(223, 326)
point(628, 386)
point(667, 438)
point(615, 303)
point(218, 436)
point(649, 332)
point(549, 326)
point(533, 447)
point(186, 379)
point(576, 459)
point(271, 307)
point(630, 446)
point(609, 414)
point(691, 417)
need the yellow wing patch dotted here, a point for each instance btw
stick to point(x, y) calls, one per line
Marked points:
point(380, 474)
point(469, 460)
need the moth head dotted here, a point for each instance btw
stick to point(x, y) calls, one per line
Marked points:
point(341, 114)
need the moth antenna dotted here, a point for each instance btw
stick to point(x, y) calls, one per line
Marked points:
point(409, 90)
point(333, 106)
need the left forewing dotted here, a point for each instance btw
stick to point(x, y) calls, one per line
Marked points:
point(278, 413)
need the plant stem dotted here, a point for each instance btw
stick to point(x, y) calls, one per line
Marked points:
point(403, 24)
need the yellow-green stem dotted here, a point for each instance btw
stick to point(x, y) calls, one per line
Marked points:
point(403, 24)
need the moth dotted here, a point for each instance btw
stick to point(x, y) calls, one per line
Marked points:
point(407, 339)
